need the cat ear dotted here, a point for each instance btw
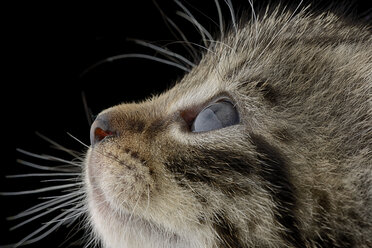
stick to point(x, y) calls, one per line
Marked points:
point(216, 116)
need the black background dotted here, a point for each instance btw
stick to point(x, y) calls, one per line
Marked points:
point(48, 47)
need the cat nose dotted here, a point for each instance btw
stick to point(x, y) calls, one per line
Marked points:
point(100, 129)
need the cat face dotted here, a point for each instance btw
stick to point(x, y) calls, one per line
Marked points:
point(248, 149)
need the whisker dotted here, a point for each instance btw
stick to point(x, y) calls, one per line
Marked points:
point(188, 16)
point(194, 44)
point(187, 43)
point(134, 55)
point(220, 19)
point(198, 45)
point(203, 14)
point(48, 168)
point(88, 111)
point(53, 158)
point(145, 56)
point(45, 213)
point(167, 20)
point(31, 154)
point(35, 191)
point(43, 175)
point(78, 191)
point(168, 57)
point(73, 232)
point(46, 157)
point(78, 140)
point(162, 50)
point(73, 214)
point(58, 146)
point(42, 206)
point(203, 32)
point(232, 13)
point(255, 22)
point(27, 240)
point(222, 43)
point(61, 180)
point(93, 240)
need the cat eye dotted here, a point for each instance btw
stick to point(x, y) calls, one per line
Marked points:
point(216, 116)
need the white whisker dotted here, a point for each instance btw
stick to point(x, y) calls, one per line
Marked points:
point(220, 19)
point(255, 22)
point(195, 44)
point(61, 180)
point(58, 146)
point(93, 240)
point(45, 213)
point(83, 210)
point(76, 192)
point(134, 55)
point(232, 13)
point(73, 231)
point(28, 240)
point(162, 50)
point(46, 157)
point(73, 214)
point(48, 168)
point(88, 111)
point(203, 47)
point(205, 15)
point(222, 43)
point(79, 141)
point(31, 154)
point(53, 158)
point(35, 191)
point(187, 43)
point(150, 57)
point(203, 32)
point(43, 175)
point(188, 16)
point(42, 206)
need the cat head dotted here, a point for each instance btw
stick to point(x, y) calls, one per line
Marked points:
point(254, 146)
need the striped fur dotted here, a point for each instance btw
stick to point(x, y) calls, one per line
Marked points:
point(295, 172)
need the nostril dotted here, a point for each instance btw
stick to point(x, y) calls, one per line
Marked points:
point(99, 130)
point(100, 134)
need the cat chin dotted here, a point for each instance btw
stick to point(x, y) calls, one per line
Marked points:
point(117, 228)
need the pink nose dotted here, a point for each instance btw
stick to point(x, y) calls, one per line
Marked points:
point(99, 130)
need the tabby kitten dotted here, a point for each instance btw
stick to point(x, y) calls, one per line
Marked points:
point(265, 142)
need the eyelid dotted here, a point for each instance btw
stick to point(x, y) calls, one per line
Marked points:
point(222, 99)
point(189, 114)
point(219, 98)
point(215, 116)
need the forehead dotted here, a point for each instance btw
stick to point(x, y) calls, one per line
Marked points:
point(274, 48)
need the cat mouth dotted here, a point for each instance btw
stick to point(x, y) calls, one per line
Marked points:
point(97, 197)
point(109, 218)
point(103, 207)
point(102, 202)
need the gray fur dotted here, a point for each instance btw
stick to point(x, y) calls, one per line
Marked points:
point(295, 172)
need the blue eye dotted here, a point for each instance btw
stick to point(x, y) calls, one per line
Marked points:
point(216, 116)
